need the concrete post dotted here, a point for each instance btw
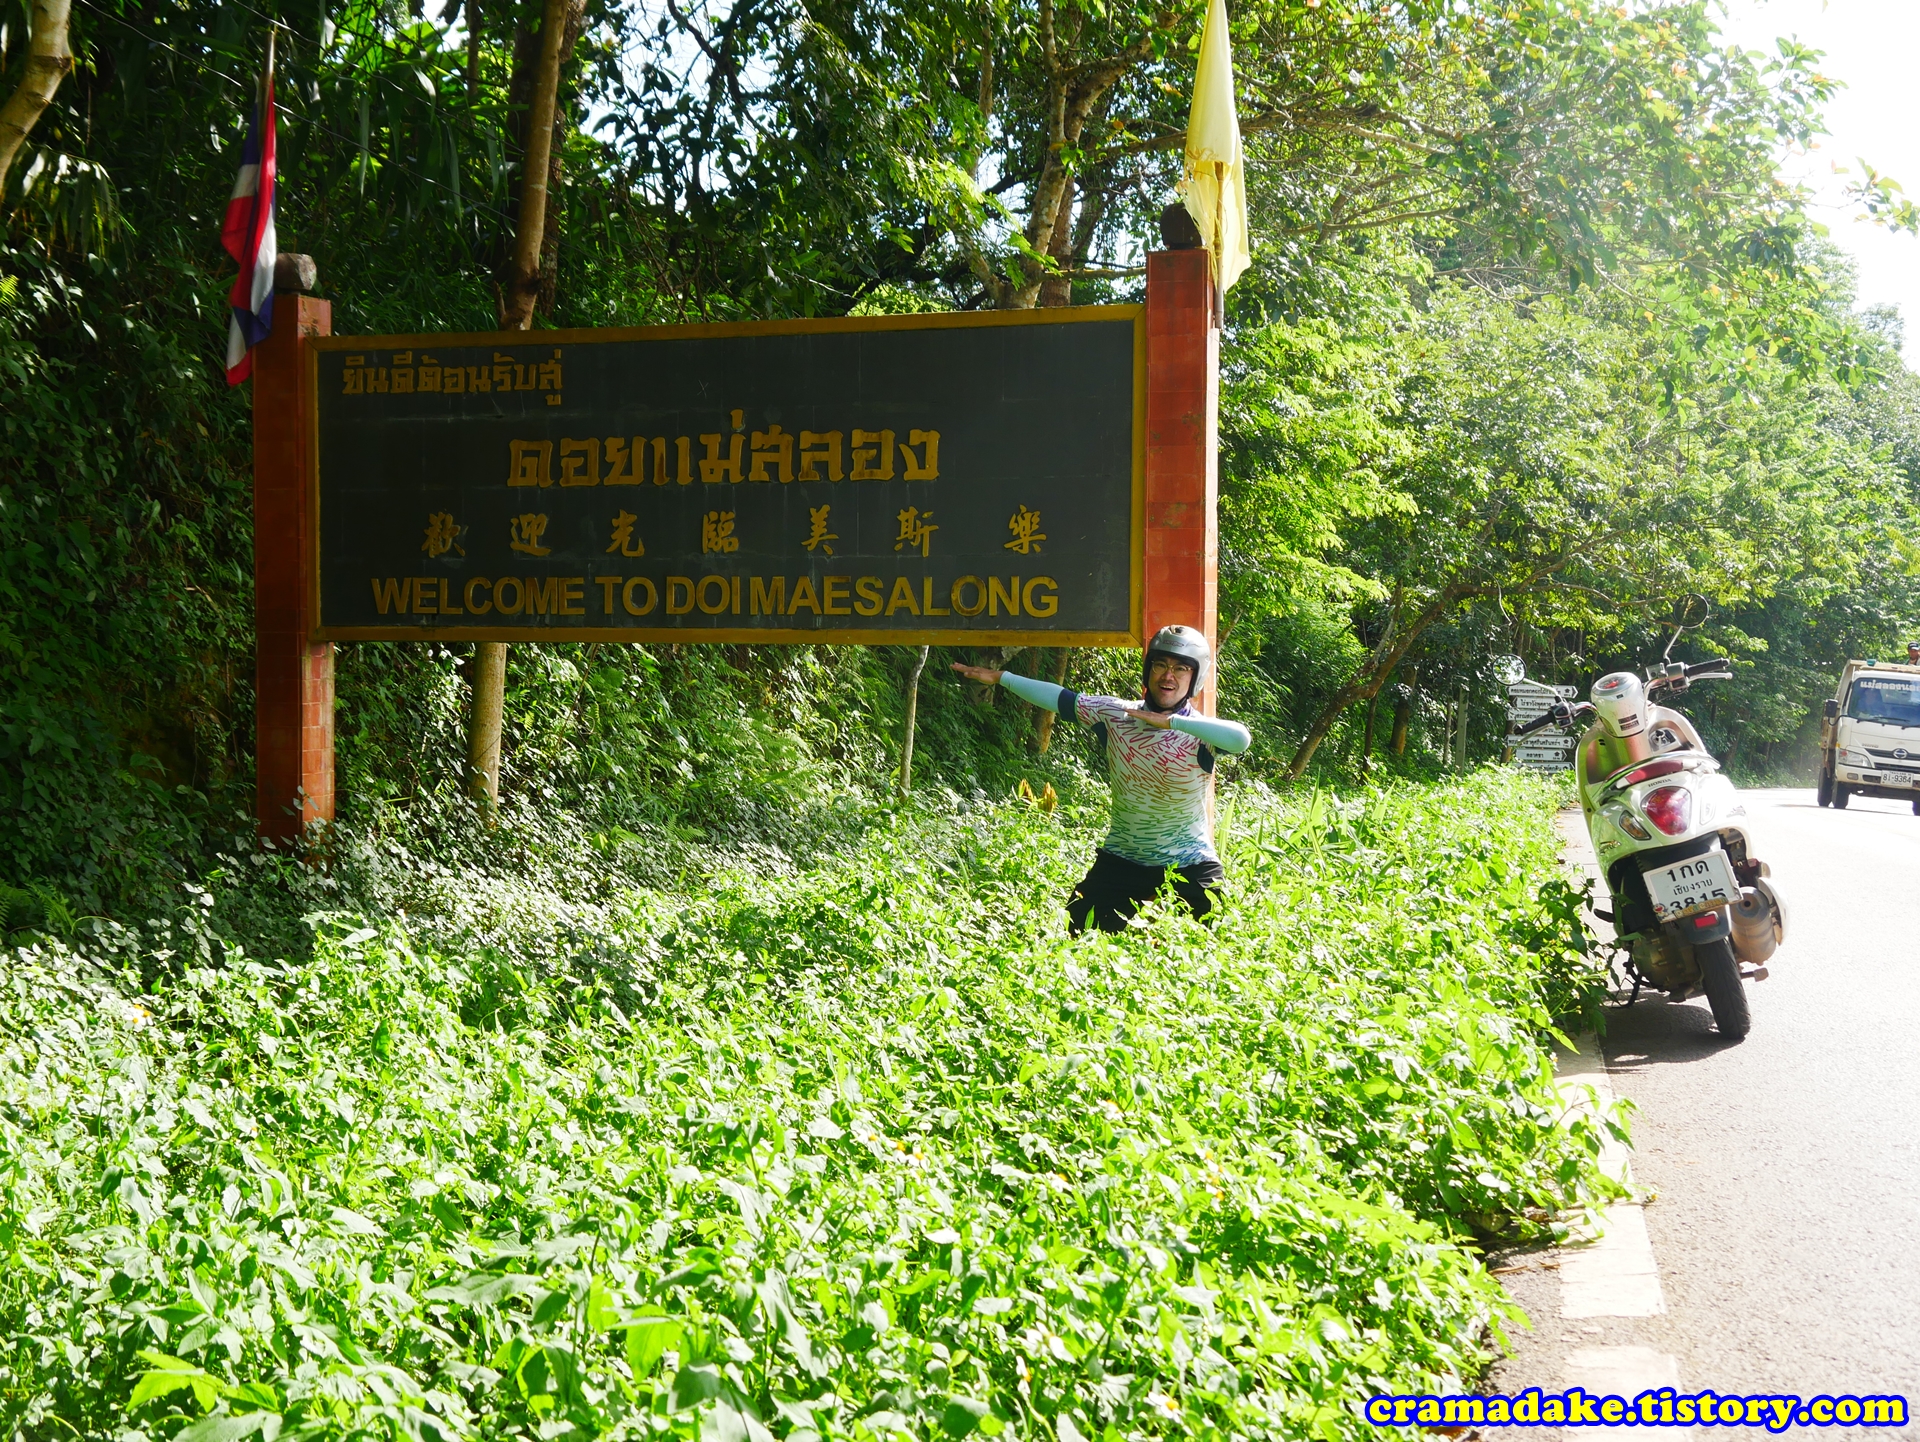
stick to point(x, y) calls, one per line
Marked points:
point(1183, 449)
point(293, 676)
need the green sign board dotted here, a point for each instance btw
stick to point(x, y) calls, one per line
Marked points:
point(951, 479)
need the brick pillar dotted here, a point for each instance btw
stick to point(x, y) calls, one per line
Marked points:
point(1183, 448)
point(293, 676)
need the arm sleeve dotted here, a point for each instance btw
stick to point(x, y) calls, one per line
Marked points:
point(1228, 736)
point(1043, 694)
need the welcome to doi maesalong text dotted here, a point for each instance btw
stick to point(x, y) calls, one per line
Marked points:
point(1664, 1407)
point(716, 595)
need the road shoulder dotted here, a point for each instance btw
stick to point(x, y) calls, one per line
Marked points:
point(1583, 1299)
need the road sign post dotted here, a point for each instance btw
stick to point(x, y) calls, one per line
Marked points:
point(1546, 750)
point(945, 479)
point(293, 671)
point(1030, 478)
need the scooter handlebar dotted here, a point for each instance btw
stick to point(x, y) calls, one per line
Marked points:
point(1678, 678)
point(1558, 714)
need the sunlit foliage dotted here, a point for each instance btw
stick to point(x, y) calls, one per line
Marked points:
point(872, 1148)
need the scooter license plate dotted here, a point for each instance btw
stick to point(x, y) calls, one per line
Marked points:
point(1682, 888)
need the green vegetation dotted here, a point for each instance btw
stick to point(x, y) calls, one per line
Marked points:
point(868, 1147)
point(1523, 479)
point(707, 1088)
point(1591, 188)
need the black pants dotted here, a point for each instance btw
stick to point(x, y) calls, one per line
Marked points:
point(1115, 889)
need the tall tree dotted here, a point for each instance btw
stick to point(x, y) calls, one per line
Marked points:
point(1555, 131)
point(1538, 469)
point(516, 313)
point(49, 58)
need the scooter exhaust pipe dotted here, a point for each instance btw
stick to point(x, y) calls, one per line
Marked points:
point(1756, 925)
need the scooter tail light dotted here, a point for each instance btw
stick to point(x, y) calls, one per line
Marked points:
point(1648, 772)
point(1670, 808)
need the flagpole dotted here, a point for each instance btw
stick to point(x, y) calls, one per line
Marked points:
point(1219, 250)
point(266, 75)
point(247, 229)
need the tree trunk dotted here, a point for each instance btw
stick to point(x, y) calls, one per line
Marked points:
point(483, 739)
point(913, 716)
point(516, 313)
point(1372, 675)
point(536, 167)
point(1058, 289)
point(1075, 94)
point(1043, 733)
point(48, 60)
point(473, 50)
point(1403, 712)
point(1366, 738)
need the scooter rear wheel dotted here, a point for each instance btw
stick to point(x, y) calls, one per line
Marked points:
point(1726, 994)
point(1823, 793)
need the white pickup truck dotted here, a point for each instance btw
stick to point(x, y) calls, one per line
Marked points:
point(1870, 734)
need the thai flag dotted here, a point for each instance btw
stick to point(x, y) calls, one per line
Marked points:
point(249, 238)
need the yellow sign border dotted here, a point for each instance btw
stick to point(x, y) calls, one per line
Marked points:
point(738, 635)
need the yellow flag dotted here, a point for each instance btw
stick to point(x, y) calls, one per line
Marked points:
point(1214, 180)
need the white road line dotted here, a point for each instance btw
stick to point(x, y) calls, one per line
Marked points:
point(1609, 1271)
point(1614, 1274)
point(1621, 1372)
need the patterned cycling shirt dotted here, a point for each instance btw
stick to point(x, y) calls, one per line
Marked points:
point(1161, 780)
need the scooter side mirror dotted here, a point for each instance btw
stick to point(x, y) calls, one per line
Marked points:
point(1831, 710)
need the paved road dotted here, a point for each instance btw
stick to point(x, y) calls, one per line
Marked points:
point(1786, 1168)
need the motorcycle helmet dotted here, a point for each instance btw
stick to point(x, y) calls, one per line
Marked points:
point(1182, 643)
point(1622, 703)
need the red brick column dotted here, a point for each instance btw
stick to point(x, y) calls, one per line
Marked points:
point(1183, 432)
point(293, 676)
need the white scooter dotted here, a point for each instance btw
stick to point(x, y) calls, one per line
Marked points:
point(1691, 902)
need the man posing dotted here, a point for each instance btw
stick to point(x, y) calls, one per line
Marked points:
point(1160, 762)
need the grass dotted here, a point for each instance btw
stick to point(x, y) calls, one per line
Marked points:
point(862, 1149)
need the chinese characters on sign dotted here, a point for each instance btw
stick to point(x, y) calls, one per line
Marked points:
point(716, 533)
point(1027, 535)
point(443, 535)
point(624, 541)
point(872, 478)
point(527, 531)
point(916, 529)
point(819, 535)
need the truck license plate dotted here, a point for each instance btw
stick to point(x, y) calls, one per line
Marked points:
point(1696, 884)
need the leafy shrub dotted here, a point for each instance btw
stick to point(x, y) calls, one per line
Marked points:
point(869, 1147)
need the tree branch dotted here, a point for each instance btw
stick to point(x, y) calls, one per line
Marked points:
point(48, 60)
